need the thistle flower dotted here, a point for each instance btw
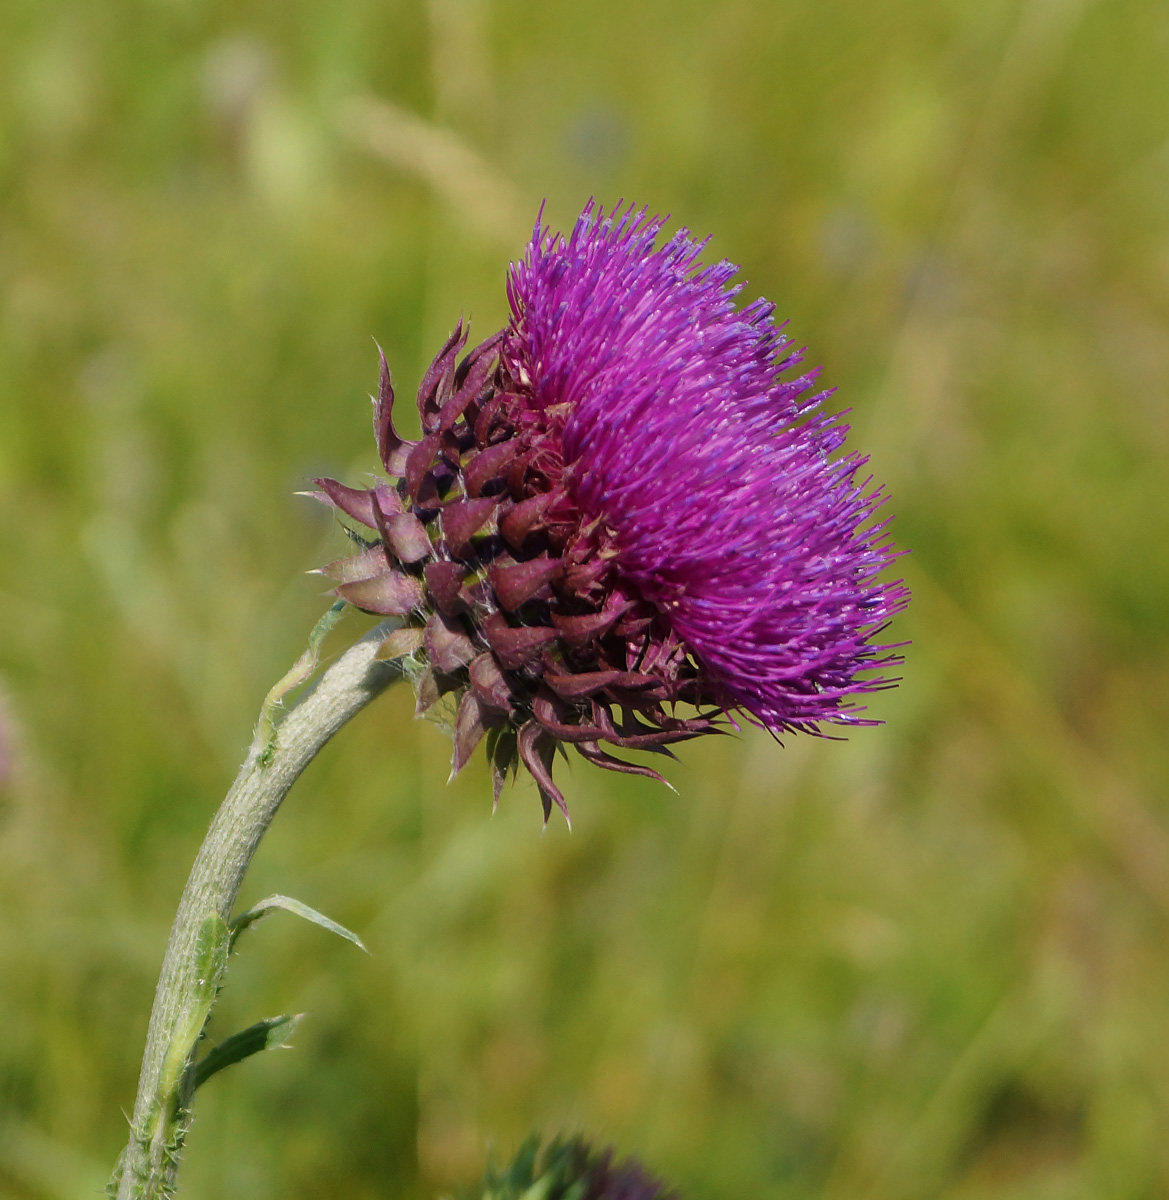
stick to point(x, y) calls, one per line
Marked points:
point(623, 503)
point(571, 1170)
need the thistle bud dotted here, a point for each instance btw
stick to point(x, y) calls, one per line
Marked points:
point(572, 1170)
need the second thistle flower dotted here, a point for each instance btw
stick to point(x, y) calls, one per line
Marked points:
point(621, 504)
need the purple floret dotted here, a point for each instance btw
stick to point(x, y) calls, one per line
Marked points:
point(712, 476)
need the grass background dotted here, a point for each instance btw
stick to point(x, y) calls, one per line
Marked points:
point(930, 961)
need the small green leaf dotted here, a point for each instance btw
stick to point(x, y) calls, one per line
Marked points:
point(263, 1035)
point(297, 908)
point(212, 946)
point(211, 951)
point(300, 672)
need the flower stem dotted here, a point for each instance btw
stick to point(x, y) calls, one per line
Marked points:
point(196, 952)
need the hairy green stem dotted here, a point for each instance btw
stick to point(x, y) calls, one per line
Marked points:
point(196, 952)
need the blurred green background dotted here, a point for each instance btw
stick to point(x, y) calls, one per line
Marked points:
point(930, 961)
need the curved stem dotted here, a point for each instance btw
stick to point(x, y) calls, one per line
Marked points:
point(187, 985)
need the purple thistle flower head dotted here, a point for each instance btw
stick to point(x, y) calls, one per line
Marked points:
point(624, 501)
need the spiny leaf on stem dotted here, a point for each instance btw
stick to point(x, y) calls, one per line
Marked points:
point(299, 909)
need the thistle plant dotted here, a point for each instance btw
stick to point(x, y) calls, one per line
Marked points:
point(626, 524)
